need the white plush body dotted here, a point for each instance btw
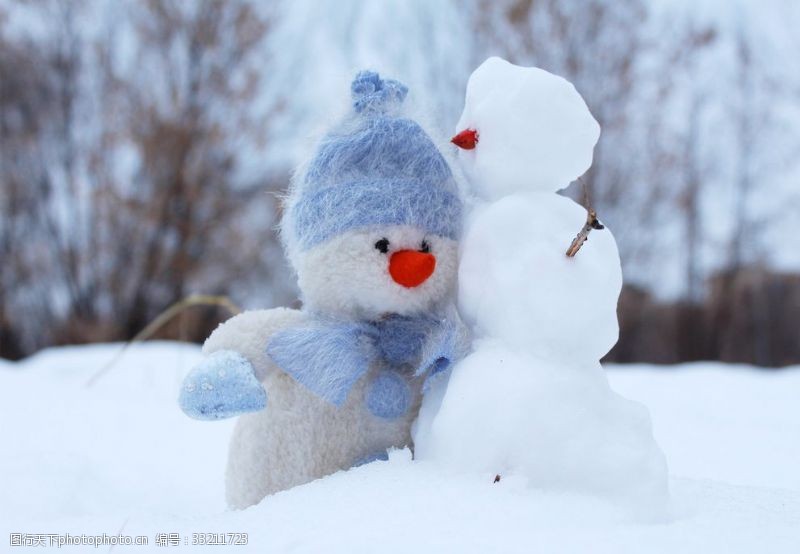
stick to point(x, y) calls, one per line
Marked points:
point(298, 437)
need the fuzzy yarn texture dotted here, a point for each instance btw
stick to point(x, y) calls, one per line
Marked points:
point(223, 385)
point(328, 357)
point(399, 339)
point(388, 395)
point(377, 457)
point(375, 169)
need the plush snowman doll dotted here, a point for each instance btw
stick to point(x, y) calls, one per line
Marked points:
point(371, 228)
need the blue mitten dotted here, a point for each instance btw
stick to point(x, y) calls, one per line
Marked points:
point(369, 458)
point(222, 385)
point(441, 350)
point(388, 396)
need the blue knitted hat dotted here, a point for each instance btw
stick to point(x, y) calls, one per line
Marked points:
point(375, 169)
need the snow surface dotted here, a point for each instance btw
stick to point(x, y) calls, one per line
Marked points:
point(121, 457)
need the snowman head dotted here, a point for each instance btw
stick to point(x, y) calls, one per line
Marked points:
point(371, 225)
point(523, 130)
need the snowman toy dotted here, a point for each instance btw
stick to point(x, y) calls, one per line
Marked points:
point(531, 400)
point(370, 226)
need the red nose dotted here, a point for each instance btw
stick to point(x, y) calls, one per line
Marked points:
point(411, 268)
point(466, 139)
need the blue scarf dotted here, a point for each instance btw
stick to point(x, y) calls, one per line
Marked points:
point(329, 356)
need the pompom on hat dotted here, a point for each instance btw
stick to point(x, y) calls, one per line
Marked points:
point(375, 169)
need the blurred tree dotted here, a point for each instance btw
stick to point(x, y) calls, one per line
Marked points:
point(27, 104)
point(142, 144)
point(126, 183)
point(598, 45)
point(187, 121)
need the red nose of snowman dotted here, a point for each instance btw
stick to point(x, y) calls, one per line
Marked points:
point(411, 268)
point(466, 139)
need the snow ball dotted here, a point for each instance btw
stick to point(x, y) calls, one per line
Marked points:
point(517, 284)
point(535, 132)
point(559, 426)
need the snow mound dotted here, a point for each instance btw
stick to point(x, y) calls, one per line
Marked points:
point(120, 444)
point(120, 457)
point(560, 427)
point(535, 132)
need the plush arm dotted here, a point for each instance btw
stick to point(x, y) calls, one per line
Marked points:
point(446, 344)
point(249, 332)
point(226, 383)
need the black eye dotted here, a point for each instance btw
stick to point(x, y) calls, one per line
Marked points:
point(425, 247)
point(383, 245)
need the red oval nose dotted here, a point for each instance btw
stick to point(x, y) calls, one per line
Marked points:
point(411, 268)
point(466, 139)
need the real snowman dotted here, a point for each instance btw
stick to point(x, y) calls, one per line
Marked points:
point(532, 399)
point(371, 228)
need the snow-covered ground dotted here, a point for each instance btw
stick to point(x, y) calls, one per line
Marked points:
point(120, 457)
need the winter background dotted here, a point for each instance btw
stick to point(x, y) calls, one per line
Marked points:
point(143, 150)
